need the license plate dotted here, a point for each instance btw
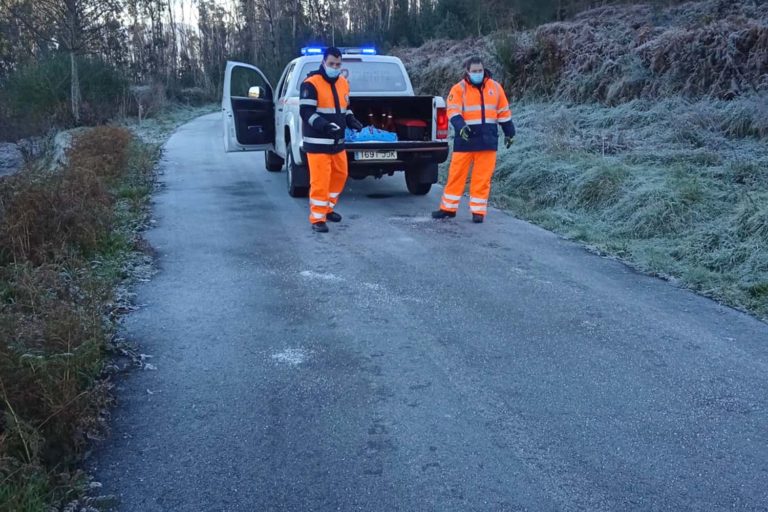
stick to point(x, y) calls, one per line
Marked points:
point(376, 155)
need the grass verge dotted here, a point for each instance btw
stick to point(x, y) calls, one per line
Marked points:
point(66, 240)
point(677, 188)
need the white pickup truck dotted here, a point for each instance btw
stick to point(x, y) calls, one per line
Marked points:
point(260, 118)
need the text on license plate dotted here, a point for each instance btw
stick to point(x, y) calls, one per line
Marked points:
point(376, 155)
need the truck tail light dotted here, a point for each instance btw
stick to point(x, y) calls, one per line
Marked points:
point(442, 123)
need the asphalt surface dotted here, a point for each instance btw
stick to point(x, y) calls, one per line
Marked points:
point(404, 364)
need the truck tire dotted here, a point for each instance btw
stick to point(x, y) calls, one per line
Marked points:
point(296, 174)
point(273, 162)
point(419, 180)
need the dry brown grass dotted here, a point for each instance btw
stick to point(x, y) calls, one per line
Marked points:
point(53, 302)
point(45, 215)
point(51, 323)
point(103, 150)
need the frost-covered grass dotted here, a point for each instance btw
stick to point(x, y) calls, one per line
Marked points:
point(643, 131)
point(156, 129)
point(616, 53)
point(678, 188)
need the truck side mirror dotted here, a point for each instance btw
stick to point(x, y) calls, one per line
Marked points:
point(255, 92)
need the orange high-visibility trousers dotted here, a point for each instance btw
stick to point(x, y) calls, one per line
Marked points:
point(327, 176)
point(483, 164)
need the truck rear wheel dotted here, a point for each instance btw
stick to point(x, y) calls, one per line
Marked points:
point(296, 174)
point(272, 161)
point(419, 180)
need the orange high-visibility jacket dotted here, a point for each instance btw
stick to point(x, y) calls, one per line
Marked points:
point(483, 108)
point(323, 101)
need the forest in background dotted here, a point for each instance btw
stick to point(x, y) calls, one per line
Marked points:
point(78, 62)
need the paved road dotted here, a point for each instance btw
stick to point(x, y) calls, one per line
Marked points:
point(403, 364)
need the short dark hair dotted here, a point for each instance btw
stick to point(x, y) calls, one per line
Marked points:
point(331, 51)
point(475, 59)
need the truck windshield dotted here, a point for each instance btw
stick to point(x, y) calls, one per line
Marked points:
point(366, 76)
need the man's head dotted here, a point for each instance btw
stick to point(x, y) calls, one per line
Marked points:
point(475, 69)
point(474, 65)
point(332, 58)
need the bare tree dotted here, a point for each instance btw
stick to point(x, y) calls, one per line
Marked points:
point(72, 25)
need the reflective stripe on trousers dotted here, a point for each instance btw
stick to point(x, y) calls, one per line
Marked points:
point(483, 164)
point(450, 202)
point(327, 177)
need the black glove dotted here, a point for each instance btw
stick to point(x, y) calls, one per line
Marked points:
point(353, 123)
point(332, 129)
point(508, 141)
point(466, 132)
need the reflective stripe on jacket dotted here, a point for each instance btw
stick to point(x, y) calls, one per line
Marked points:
point(323, 101)
point(482, 107)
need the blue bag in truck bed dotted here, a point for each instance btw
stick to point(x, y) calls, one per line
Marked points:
point(370, 134)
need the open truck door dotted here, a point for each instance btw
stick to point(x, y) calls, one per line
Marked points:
point(248, 109)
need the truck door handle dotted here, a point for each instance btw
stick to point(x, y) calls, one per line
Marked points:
point(279, 110)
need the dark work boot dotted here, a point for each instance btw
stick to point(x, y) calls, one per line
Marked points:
point(333, 217)
point(442, 214)
point(320, 227)
point(477, 218)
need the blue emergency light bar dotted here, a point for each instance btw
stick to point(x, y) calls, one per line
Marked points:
point(312, 50)
point(318, 50)
point(358, 51)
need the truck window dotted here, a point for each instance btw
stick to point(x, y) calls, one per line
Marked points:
point(285, 82)
point(243, 79)
point(366, 76)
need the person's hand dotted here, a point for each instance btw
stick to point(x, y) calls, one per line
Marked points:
point(332, 129)
point(355, 124)
point(466, 132)
point(508, 141)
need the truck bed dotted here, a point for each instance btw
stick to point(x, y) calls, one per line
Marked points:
point(369, 109)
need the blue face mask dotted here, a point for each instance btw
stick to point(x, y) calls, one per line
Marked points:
point(332, 72)
point(477, 78)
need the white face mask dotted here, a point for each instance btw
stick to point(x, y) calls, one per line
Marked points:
point(331, 72)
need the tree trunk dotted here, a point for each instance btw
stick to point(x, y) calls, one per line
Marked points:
point(75, 87)
point(272, 20)
point(171, 70)
point(296, 7)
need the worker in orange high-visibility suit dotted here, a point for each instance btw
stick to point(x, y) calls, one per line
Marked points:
point(325, 114)
point(477, 106)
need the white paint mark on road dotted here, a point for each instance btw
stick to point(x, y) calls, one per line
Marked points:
point(407, 219)
point(291, 356)
point(319, 276)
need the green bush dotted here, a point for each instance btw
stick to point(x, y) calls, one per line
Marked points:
point(36, 97)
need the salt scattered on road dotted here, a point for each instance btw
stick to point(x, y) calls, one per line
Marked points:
point(291, 356)
point(319, 276)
